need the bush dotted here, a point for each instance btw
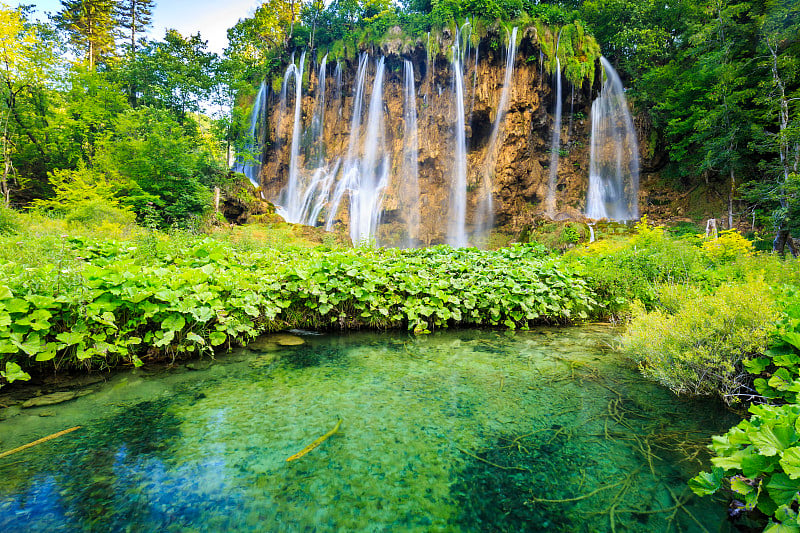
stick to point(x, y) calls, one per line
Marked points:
point(9, 220)
point(729, 246)
point(625, 270)
point(700, 349)
point(94, 213)
point(101, 303)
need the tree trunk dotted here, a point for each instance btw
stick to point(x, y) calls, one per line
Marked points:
point(782, 239)
point(730, 200)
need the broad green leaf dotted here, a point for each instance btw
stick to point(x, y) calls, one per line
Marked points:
point(783, 380)
point(741, 485)
point(164, 338)
point(706, 483)
point(782, 489)
point(14, 372)
point(770, 440)
point(754, 464)
point(756, 365)
point(173, 322)
point(782, 527)
point(216, 338)
point(792, 337)
point(46, 355)
point(791, 462)
point(31, 345)
point(70, 337)
point(194, 337)
point(17, 305)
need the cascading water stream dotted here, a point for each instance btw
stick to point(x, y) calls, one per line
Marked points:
point(485, 213)
point(409, 188)
point(352, 149)
point(249, 161)
point(318, 120)
point(337, 74)
point(550, 203)
point(457, 233)
point(291, 204)
point(369, 176)
point(614, 160)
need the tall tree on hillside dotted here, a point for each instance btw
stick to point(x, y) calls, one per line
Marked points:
point(90, 25)
point(27, 58)
point(779, 47)
point(133, 17)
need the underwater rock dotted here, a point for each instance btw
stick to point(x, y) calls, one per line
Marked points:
point(284, 339)
point(263, 360)
point(54, 398)
point(199, 365)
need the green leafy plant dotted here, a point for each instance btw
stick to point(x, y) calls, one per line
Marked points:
point(102, 303)
point(758, 461)
point(701, 346)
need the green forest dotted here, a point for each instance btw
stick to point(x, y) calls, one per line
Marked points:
point(87, 99)
point(115, 258)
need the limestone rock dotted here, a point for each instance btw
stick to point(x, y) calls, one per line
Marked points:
point(54, 398)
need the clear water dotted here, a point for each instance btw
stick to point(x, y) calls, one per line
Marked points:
point(458, 431)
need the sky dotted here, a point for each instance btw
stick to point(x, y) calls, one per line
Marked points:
point(211, 18)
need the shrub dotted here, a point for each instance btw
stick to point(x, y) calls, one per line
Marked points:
point(94, 213)
point(701, 348)
point(628, 269)
point(730, 245)
point(9, 220)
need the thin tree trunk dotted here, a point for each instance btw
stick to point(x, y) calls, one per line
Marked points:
point(730, 200)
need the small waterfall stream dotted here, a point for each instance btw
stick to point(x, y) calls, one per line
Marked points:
point(550, 204)
point(409, 188)
point(291, 206)
point(457, 232)
point(485, 214)
point(614, 160)
point(248, 161)
point(370, 176)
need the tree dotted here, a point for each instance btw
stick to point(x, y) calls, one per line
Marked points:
point(134, 16)
point(780, 46)
point(169, 169)
point(90, 25)
point(26, 57)
point(174, 74)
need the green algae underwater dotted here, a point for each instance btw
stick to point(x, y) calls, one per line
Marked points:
point(472, 430)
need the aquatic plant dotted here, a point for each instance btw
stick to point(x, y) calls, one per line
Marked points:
point(104, 303)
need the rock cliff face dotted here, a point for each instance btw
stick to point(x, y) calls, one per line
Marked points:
point(518, 167)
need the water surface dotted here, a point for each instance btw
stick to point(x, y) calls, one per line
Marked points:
point(455, 431)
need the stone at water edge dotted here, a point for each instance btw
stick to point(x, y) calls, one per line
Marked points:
point(55, 398)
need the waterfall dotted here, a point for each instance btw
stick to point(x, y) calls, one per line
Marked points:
point(485, 212)
point(248, 162)
point(365, 173)
point(409, 189)
point(474, 82)
point(291, 203)
point(457, 233)
point(337, 74)
point(318, 120)
point(368, 179)
point(550, 203)
point(614, 160)
point(352, 148)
